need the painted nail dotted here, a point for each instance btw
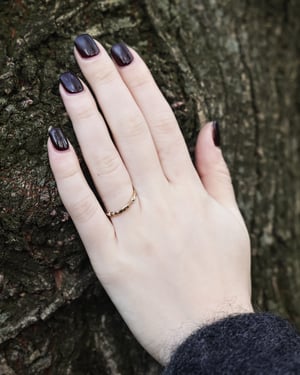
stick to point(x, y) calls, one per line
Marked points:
point(86, 46)
point(121, 54)
point(71, 83)
point(58, 139)
point(216, 133)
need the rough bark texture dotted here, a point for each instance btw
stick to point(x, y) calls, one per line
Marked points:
point(237, 61)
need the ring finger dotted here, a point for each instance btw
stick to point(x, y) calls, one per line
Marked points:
point(105, 165)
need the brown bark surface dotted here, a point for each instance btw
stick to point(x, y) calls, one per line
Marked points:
point(233, 61)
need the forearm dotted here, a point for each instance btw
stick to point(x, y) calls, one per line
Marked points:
point(258, 343)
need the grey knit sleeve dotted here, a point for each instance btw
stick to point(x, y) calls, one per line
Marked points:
point(258, 343)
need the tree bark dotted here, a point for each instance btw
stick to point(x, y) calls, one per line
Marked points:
point(234, 61)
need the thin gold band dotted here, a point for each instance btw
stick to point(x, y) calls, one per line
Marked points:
point(124, 208)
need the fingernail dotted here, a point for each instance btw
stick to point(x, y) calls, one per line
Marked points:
point(58, 139)
point(121, 54)
point(216, 133)
point(71, 83)
point(86, 46)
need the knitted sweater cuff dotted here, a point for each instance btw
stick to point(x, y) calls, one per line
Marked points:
point(257, 343)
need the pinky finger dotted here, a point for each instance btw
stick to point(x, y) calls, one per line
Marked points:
point(93, 226)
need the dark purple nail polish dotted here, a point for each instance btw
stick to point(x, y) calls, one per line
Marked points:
point(216, 133)
point(121, 54)
point(58, 139)
point(86, 46)
point(71, 83)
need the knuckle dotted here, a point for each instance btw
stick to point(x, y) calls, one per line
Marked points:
point(140, 79)
point(86, 110)
point(135, 126)
point(69, 171)
point(105, 75)
point(219, 171)
point(82, 210)
point(108, 164)
point(223, 172)
point(67, 168)
point(83, 113)
point(168, 134)
point(164, 124)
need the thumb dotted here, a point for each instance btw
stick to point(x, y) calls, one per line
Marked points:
point(212, 167)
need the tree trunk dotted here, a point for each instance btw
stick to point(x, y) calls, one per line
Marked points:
point(235, 61)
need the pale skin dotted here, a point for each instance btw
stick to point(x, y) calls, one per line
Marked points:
point(179, 257)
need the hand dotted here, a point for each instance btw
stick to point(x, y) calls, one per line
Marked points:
point(179, 256)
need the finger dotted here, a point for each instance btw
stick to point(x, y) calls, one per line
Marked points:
point(91, 222)
point(105, 165)
point(123, 116)
point(212, 167)
point(168, 139)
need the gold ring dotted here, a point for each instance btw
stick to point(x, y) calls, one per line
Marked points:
point(124, 208)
